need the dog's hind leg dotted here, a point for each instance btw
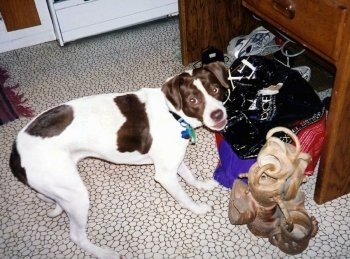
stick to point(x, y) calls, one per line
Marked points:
point(65, 187)
point(189, 178)
point(77, 209)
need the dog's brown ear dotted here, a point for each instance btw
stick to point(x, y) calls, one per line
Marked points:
point(219, 70)
point(171, 89)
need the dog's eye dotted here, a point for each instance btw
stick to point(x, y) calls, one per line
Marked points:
point(193, 100)
point(215, 89)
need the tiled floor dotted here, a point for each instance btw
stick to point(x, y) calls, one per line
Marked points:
point(129, 211)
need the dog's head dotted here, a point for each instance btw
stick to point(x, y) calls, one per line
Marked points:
point(197, 95)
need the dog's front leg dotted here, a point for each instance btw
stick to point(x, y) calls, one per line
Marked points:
point(167, 177)
point(187, 175)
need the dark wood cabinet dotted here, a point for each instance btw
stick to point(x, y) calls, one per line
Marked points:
point(322, 26)
point(205, 23)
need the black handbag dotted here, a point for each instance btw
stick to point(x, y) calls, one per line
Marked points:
point(266, 94)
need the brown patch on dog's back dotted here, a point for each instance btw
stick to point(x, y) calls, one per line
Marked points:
point(52, 122)
point(15, 164)
point(134, 134)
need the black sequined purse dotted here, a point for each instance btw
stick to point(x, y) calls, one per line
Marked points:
point(266, 94)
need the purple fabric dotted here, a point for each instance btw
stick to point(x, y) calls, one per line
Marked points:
point(230, 165)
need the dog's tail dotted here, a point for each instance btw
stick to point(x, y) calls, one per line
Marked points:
point(15, 164)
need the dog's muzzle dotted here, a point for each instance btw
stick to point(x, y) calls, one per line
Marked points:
point(219, 118)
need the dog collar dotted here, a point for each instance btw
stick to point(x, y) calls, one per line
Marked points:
point(188, 132)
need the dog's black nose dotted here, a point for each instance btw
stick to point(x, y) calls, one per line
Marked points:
point(217, 115)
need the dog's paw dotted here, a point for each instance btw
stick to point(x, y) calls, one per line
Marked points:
point(201, 209)
point(55, 212)
point(207, 185)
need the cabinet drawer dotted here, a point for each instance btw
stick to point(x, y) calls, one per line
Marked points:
point(76, 19)
point(76, 14)
point(318, 24)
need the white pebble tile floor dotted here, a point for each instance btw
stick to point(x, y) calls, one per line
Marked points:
point(130, 212)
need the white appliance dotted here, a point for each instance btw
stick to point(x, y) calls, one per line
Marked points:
point(75, 19)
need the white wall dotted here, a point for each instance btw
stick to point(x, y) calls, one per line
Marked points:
point(29, 36)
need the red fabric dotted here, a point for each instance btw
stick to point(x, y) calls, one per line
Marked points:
point(311, 141)
point(18, 101)
point(12, 102)
point(218, 138)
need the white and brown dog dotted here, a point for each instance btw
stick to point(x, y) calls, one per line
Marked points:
point(129, 128)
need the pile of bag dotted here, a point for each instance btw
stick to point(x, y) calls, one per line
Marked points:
point(266, 94)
